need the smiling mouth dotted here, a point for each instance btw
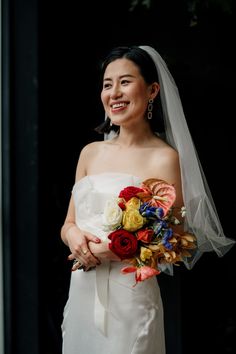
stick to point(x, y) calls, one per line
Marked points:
point(118, 106)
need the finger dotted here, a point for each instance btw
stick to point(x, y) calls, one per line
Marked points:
point(76, 264)
point(84, 251)
point(70, 257)
point(91, 237)
point(85, 255)
point(89, 260)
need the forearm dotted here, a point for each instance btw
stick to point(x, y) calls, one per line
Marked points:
point(102, 251)
point(65, 230)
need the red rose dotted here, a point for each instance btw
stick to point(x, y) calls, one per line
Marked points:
point(130, 192)
point(123, 243)
point(121, 205)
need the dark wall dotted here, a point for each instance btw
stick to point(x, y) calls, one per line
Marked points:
point(20, 175)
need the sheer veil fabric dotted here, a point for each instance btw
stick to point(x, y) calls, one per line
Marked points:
point(201, 218)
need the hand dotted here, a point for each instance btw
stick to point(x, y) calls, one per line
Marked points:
point(78, 243)
point(102, 251)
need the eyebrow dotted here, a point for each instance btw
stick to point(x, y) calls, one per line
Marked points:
point(120, 77)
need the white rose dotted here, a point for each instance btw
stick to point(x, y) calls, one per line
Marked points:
point(112, 215)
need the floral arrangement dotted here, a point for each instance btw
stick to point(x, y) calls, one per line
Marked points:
point(141, 221)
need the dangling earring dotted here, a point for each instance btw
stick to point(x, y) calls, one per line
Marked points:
point(150, 108)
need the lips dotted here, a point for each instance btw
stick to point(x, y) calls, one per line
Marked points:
point(117, 107)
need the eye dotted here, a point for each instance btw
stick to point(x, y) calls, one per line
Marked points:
point(125, 82)
point(106, 85)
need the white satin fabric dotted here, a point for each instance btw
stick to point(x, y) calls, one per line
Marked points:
point(105, 313)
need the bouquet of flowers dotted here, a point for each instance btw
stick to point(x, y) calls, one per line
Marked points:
point(141, 221)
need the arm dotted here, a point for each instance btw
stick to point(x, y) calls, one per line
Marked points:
point(76, 239)
point(170, 172)
point(174, 177)
point(102, 251)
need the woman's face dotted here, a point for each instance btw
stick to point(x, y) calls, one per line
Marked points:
point(125, 94)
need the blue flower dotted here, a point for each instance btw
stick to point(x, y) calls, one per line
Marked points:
point(151, 212)
point(158, 226)
point(166, 236)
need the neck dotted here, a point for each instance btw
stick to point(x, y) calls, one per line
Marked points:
point(135, 136)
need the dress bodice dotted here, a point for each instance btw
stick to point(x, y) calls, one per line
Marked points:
point(90, 194)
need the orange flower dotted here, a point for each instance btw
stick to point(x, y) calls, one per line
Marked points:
point(145, 235)
point(158, 193)
point(142, 273)
point(145, 272)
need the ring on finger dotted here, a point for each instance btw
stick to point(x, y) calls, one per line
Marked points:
point(77, 262)
point(85, 252)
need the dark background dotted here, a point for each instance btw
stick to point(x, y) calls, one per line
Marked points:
point(51, 104)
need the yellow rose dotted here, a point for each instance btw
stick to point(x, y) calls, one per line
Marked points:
point(145, 254)
point(132, 220)
point(133, 203)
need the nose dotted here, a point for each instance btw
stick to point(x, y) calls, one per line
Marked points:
point(115, 92)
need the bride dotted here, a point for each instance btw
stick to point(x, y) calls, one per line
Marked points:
point(105, 313)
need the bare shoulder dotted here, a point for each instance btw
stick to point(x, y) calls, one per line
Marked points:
point(170, 155)
point(165, 162)
point(91, 148)
point(88, 153)
point(166, 165)
point(166, 153)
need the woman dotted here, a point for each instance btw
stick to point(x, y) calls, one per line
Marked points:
point(104, 312)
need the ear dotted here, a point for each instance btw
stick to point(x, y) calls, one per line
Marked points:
point(155, 88)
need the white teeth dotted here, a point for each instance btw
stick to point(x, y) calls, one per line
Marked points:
point(117, 105)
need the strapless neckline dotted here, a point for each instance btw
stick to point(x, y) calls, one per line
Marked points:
point(108, 174)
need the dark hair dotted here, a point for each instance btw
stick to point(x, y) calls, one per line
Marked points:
point(148, 71)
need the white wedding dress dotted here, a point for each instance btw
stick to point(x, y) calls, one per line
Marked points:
point(105, 313)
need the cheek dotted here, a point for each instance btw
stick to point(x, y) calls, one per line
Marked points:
point(104, 98)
